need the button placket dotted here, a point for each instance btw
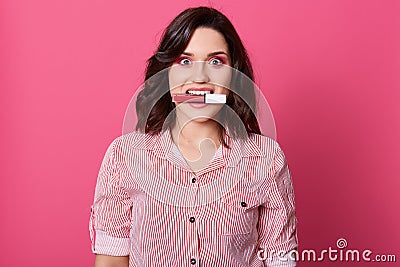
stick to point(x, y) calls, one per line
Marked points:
point(192, 220)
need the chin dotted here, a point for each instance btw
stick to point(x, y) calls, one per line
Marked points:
point(199, 114)
point(201, 120)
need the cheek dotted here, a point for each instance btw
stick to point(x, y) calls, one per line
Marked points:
point(174, 86)
point(175, 90)
point(221, 76)
point(178, 76)
point(172, 82)
point(221, 90)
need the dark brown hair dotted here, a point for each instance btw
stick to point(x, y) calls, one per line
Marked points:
point(154, 102)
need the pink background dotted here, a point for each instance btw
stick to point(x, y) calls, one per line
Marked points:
point(329, 69)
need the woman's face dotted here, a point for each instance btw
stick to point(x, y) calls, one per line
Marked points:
point(203, 67)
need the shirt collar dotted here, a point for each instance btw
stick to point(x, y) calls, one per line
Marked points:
point(162, 144)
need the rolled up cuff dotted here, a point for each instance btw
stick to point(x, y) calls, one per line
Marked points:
point(108, 245)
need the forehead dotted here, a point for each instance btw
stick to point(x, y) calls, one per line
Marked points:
point(206, 40)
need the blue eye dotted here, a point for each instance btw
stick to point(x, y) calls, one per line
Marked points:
point(216, 61)
point(185, 61)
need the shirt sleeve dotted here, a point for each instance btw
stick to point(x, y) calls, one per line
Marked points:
point(110, 218)
point(277, 220)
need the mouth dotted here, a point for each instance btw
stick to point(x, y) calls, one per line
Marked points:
point(200, 98)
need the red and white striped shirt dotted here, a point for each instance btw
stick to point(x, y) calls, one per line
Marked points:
point(149, 204)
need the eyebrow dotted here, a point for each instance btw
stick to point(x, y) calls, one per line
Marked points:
point(209, 55)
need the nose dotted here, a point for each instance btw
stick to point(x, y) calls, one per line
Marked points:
point(200, 74)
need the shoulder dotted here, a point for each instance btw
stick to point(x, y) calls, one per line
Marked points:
point(134, 140)
point(261, 144)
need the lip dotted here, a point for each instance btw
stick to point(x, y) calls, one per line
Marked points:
point(203, 89)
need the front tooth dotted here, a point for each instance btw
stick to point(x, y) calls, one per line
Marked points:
point(195, 92)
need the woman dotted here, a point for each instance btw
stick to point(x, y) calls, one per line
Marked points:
point(197, 184)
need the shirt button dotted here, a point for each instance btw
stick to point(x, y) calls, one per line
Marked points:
point(193, 261)
point(243, 204)
point(193, 180)
point(192, 219)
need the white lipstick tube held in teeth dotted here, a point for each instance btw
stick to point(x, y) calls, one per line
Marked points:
point(207, 98)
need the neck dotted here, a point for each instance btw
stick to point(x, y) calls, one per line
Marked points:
point(193, 132)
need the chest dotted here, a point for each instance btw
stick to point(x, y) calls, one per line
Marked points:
point(197, 156)
point(231, 213)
